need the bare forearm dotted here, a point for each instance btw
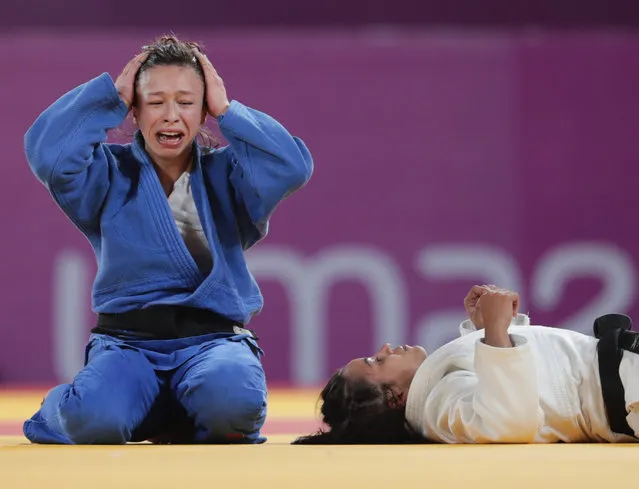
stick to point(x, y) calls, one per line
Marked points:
point(499, 338)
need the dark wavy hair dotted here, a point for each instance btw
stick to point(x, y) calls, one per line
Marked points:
point(359, 412)
point(168, 50)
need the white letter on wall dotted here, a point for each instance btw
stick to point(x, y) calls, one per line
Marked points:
point(572, 261)
point(71, 287)
point(479, 263)
point(308, 284)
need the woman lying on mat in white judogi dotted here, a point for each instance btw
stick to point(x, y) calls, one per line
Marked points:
point(502, 381)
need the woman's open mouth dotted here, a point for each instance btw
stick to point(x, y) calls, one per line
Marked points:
point(170, 139)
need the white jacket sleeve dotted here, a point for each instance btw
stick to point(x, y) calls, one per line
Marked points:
point(498, 403)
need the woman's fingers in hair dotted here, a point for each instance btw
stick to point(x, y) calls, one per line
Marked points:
point(134, 63)
point(124, 83)
point(205, 62)
point(216, 99)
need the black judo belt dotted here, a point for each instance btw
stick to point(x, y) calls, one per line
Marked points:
point(613, 331)
point(166, 322)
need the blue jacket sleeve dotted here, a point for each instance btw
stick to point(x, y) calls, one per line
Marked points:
point(66, 151)
point(268, 164)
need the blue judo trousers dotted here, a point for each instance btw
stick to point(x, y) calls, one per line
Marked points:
point(202, 389)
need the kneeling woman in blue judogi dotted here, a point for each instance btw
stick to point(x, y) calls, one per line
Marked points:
point(169, 220)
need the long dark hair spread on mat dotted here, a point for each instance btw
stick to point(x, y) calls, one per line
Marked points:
point(358, 412)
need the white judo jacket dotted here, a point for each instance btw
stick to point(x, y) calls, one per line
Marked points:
point(545, 389)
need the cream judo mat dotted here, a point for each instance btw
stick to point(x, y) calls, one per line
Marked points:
point(279, 464)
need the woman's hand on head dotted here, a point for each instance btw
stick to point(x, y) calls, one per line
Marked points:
point(125, 82)
point(217, 101)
